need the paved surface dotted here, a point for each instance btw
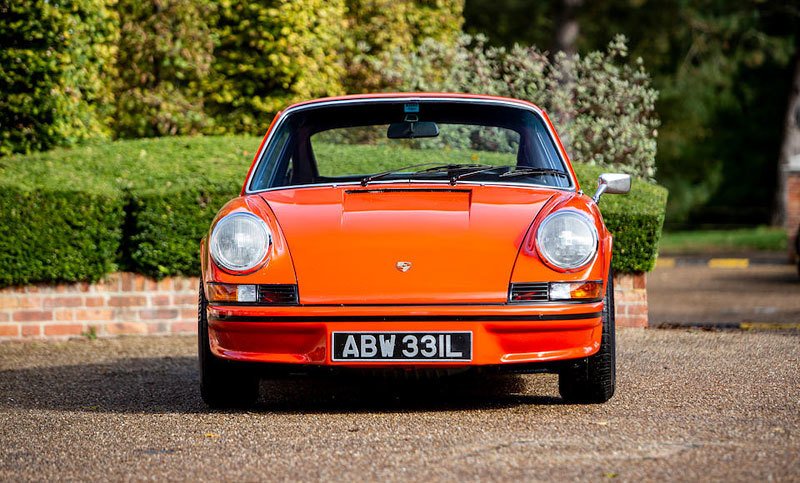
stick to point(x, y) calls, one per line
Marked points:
point(760, 294)
point(691, 405)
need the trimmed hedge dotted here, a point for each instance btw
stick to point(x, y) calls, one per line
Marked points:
point(78, 214)
point(142, 206)
point(53, 234)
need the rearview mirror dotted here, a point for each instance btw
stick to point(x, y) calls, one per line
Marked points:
point(411, 130)
point(612, 183)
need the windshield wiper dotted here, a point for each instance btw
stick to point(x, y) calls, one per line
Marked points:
point(433, 169)
point(366, 180)
point(455, 179)
point(533, 172)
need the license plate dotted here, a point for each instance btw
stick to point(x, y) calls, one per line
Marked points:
point(401, 346)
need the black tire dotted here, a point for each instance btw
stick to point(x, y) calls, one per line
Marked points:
point(223, 384)
point(592, 379)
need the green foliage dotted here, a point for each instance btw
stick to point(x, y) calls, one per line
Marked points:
point(165, 49)
point(376, 27)
point(270, 55)
point(52, 233)
point(143, 205)
point(602, 104)
point(55, 64)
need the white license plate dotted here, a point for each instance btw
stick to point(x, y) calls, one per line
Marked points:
point(401, 346)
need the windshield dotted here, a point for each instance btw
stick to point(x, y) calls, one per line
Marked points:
point(430, 141)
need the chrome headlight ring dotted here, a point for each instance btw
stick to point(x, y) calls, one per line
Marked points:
point(567, 240)
point(240, 242)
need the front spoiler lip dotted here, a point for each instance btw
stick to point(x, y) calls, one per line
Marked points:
point(405, 318)
point(407, 313)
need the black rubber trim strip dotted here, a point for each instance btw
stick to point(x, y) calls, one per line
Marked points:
point(408, 318)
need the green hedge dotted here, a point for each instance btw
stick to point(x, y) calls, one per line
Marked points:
point(78, 214)
point(143, 205)
point(53, 234)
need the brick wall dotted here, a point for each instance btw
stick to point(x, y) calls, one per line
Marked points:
point(630, 299)
point(127, 303)
point(792, 208)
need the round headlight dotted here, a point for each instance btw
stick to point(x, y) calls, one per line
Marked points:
point(567, 240)
point(240, 242)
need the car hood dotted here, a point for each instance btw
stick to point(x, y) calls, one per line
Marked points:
point(405, 245)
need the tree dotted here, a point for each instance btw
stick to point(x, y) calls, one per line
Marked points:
point(166, 48)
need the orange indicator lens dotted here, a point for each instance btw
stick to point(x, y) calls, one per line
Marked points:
point(220, 292)
point(590, 290)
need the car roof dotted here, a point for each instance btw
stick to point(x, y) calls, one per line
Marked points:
point(415, 96)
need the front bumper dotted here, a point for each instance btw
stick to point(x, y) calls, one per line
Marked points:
point(502, 334)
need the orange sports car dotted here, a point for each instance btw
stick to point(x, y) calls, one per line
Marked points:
point(409, 232)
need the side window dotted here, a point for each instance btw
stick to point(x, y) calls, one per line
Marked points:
point(272, 169)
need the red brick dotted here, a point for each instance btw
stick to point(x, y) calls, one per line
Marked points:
point(68, 301)
point(636, 309)
point(109, 284)
point(631, 321)
point(118, 328)
point(640, 281)
point(9, 330)
point(31, 330)
point(95, 301)
point(623, 282)
point(189, 314)
point(165, 285)
point(127, 281)
point(64, 314)
point(32, 315)
point(188, 284)
point(94, 314)
point(127, 301)
point(183, 327)
point(158, 314)
point(185, 299)
point(139, 283)
point(63, 329)
point(9, 301)
point(160, 300)
point(5, 316)
point(29, 302)
point(631, 296)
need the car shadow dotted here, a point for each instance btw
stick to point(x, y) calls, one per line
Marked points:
point(171, 384)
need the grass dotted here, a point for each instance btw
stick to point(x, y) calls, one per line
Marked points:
point(718, 241)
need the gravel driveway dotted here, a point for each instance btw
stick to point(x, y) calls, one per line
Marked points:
point(690, 405)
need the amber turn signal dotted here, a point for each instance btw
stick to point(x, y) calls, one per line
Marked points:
point(225, 292)
point(589, 290)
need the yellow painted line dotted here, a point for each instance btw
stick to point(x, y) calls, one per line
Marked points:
point(769, 326)
point(729, 263)
point(665, 262)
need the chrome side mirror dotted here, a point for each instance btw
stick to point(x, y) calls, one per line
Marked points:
point(612, 183)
